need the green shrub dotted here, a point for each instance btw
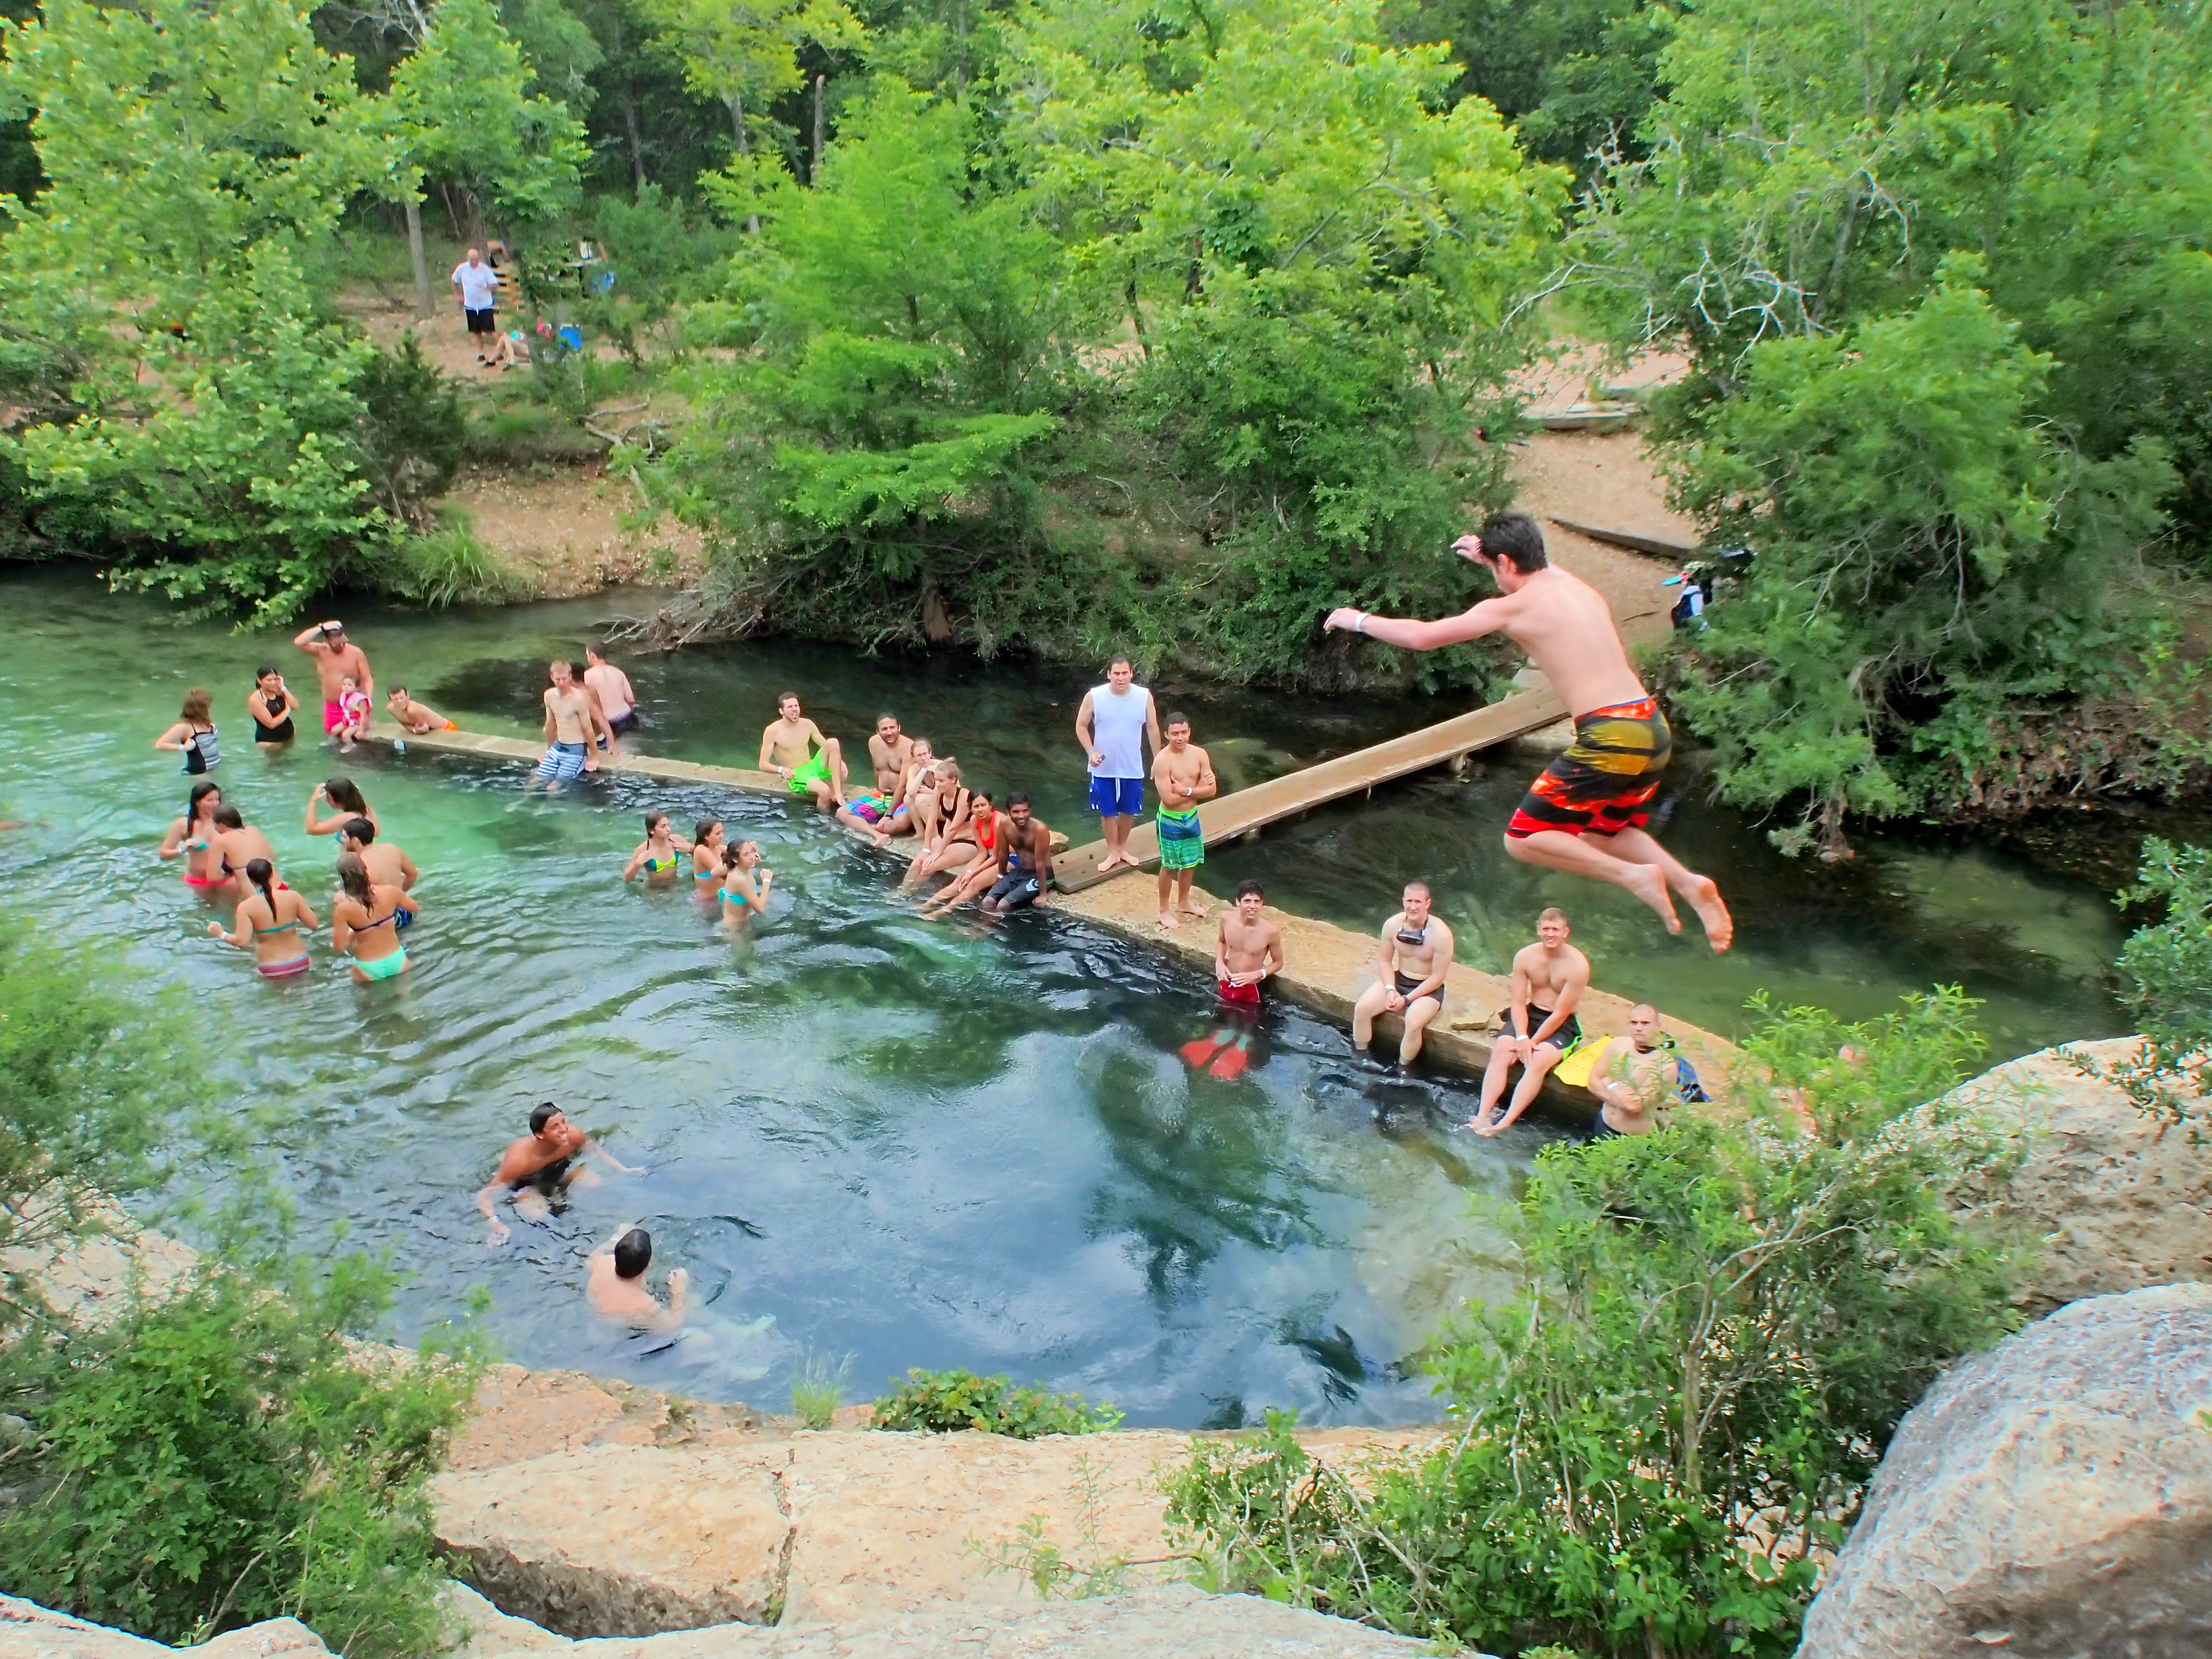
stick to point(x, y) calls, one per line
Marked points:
point(943, 1402)
point(2167, 965)
point(225, 1456)
point(451, 565)
point(411, 432)
point(1718, 1329)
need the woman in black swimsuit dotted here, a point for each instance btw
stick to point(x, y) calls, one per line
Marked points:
point(270, 703)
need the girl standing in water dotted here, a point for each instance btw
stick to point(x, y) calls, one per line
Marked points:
point(193, 735)
point(361, 922)
point(271, 704)
point(707, 854)
point(657, 854)
point(192, 837)
point(270, 922)
point(745, 883)
point(341, 793)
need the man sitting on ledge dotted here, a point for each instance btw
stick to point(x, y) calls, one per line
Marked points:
point(1415, 956)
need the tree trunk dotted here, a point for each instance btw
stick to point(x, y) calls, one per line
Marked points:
point(814, 171)
point(636, 136)
point(415, 257)
point(744, 149)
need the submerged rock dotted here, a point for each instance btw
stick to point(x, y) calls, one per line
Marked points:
point(2049, 1499)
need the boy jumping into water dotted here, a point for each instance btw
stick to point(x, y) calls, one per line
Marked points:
point(1184, 777)
point(1586, 813)
point(547, 1161)
point(1549, 978)
point(1247, 949)
point(794, 748)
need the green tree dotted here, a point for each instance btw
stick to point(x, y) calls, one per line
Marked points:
point(1720, 1327)
point(2167, 967)
point(738, 52)
point(472, 121)
point(193, 407)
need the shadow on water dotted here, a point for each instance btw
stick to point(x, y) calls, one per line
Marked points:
point(915, 1143)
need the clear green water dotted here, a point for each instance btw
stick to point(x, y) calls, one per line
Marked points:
point(913, 1144)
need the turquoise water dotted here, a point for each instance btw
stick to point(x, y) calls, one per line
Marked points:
point(869, 1138)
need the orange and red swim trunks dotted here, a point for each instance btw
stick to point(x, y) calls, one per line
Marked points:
point(1604, 782)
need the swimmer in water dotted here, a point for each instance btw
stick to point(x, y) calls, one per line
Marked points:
point(615, 1284)
point(360, 920)
point(272, 922)
point(236, 845)
point(271, 703)
point(192, 837)
point(707, 857)
point(193, 734)
point(341, 793)
point(657, 854)
point(547, 1161)
point(745, 885)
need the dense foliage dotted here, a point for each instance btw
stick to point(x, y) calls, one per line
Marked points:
point(216, 1452)
point(944, 1403)
point(2167, 968)
point(1720, 1327)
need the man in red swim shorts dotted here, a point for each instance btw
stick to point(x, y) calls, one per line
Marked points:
point(1586, 814)
point(1247, 949)
point(337, 658)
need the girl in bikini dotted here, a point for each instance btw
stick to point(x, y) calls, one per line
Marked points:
point(656, 855)
point(192, 836)
point(193, 735)
point(950, 843)
point(361, 922)
point(986, 823)
point(271, 704)
point(342, 793)
point(707, 852)
point(271, 923)
point(745, 885)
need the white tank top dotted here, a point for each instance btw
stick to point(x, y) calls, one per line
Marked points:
point(1117, 731)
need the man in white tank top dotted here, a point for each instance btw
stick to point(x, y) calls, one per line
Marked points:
point(1112, 725)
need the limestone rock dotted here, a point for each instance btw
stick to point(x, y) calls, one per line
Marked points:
point(2049, 1499)
point(519, 1414)
point(620, 1540)
point(29, 1630)
point(2122, 1201)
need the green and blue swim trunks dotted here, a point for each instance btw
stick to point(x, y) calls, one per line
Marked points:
point(1183, 843)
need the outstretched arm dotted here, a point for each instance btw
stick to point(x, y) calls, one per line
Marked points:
point(1488, 617)
point(591, 1148)
point(485, 1197)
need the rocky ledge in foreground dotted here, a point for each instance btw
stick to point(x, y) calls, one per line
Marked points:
point(1167, 1622)
point(2049, 1500)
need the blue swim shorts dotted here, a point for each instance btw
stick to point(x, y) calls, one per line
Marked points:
point(562, 761)
point(1117, 797)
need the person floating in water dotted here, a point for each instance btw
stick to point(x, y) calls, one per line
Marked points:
point(193, 734)
point(1247, 948)
point(573, 722)
point(655, 857)
point(416, 719)
point(540, 1167)
point(794, 748)
point(1024, 860)
point(1635, 1077)
point(614, 1285)
point(1549, 978)
point(271, 703)
point(1184, 777)
point(1586, 812)
point(273, 922)
point(192, 837)
point(359, 919)
point(336, 660)
point(1415, 958)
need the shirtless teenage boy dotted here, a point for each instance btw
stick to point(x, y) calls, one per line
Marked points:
point(1184, 777)
point(1549, 978)
point(1247, 949)
point(238, 845)
point(617, 702)
point(615, 1283)
point(1024, 860)
point(546, 1161)
point(336, 659)
point(1633, 1078)
point(1416, 955)
point(388, 866)
point(794, 748)
point(1585, 814)
point(572, 721)
point(417, 719)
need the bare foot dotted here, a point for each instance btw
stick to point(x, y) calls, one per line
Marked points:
point(1198, 910)
point(1168, 920)
point(1109, 862)
point(1646, 881)
point(1487, 1130)
point(1704, 897)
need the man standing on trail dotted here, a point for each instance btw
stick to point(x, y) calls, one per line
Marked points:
point(1585, 814)
point(337, 660)
point(476, 285)
point(1112, 725)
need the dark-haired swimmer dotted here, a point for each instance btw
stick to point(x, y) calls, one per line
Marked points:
point(615, 1283)
point(744, 886)
point(547, 1161)
point(358, 921)
point(656, 856)
point(342, 793)
point(269, 923)
point(237, 844)
point(708, 854)
point(192, 837)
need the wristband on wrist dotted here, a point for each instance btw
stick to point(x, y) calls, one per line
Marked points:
point(1360, 626)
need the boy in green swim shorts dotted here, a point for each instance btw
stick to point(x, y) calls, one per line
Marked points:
point(794, 750)
point(1184, 777)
